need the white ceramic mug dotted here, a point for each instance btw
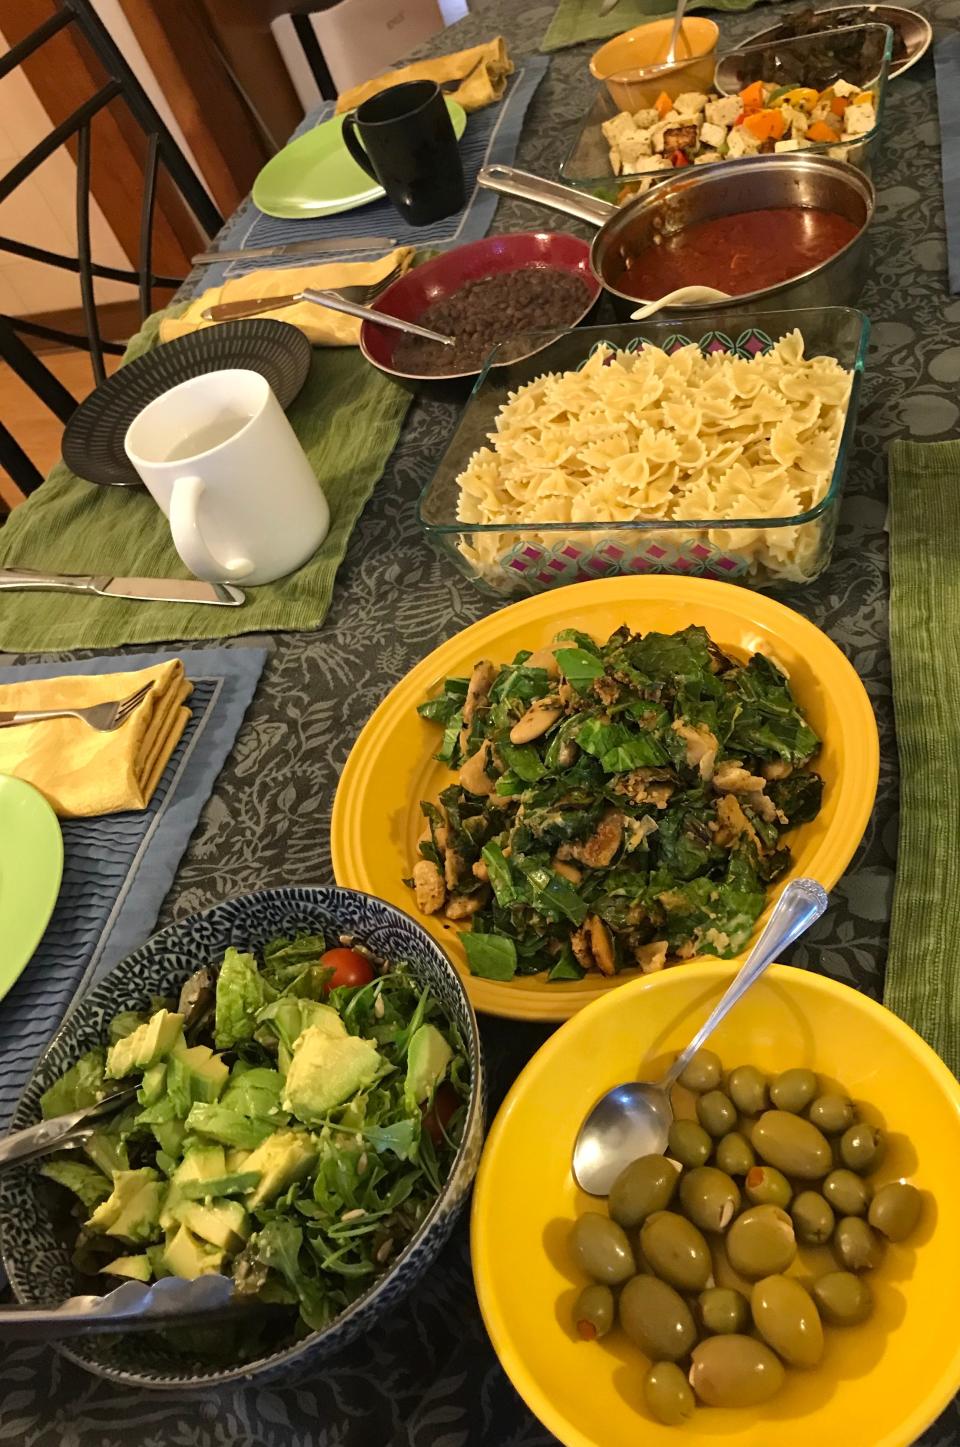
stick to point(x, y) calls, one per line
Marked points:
point(223, 463)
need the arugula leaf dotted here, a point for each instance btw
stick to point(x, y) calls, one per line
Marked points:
point(579, 667)
point(491, 956)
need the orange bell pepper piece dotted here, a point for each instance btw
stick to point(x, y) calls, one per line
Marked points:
point(766, 125)
point(839, 104)
point(820, 131)
point(753, 95)
point(663, 104)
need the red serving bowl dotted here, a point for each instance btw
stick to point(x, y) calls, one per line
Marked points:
point(434, 280)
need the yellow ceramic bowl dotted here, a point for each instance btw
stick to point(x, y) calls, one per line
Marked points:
point(879, 1384)
point(647, 45)
point(376, 814)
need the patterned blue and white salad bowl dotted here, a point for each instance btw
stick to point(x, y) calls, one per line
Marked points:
point(35, 1255)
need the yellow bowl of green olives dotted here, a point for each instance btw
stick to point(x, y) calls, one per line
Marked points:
point(785, 1274)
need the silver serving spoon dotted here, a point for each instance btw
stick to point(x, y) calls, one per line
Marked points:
point(633, 1119)
point(671, 55)
point(680, 296)
point(337, 303)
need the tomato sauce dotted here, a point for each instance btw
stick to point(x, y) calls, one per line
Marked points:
point(745, 252)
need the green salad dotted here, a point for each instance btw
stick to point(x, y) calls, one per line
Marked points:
point(618, 804)
point(294, 1139)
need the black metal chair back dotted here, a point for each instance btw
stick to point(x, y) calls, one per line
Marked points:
point(162, 149)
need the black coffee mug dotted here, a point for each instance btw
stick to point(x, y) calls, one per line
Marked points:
point(403, 137)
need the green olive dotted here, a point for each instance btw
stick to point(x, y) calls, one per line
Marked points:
point(832, 1114)
point(792, 1144)
point(735, 1371)
point(848, 1193)
point(710, 1198)
point(656, 1318)
point(601, 1248)
point(813, 1218)
point(689, 1143)
point(793, 1090)
point(761, 1242)
point(704, 1072)
point(735, 1154)
point(747, 1088)
point(765, 1185)
point(668, 1394)
point(724, 1310)
point(645, 1186)
point(895, 1210)
point(676, 1251)
point(842, 1298)
point(787, 1319)
point(593, 1312)
point(862, 1147)
point(716, 1113)
point(857, 1245)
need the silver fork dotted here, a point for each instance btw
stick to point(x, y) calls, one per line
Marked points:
point(361, 295)
point(104, 717)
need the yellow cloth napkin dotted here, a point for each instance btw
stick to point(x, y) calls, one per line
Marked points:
point(482, 72)
point(324, 328)
point(79, 770)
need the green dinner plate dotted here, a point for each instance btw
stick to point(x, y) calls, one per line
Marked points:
point(316, 175)
point(31, 865)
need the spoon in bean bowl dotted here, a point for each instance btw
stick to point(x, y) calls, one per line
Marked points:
point(634, 1119)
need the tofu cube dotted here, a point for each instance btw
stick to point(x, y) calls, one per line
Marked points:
point(741, 143)
point(691, 103)
point(643, 120)
point(843, 88)
point(712, 134)
point(858, 120)
point(723, 112)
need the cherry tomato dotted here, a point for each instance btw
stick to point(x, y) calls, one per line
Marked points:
point(438, 1117)
point(349, 968)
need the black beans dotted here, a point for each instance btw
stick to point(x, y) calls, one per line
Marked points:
point(485, 312)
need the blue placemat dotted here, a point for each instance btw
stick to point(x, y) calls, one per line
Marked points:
point(118, 868)
point(492, 135)
point(946, 59)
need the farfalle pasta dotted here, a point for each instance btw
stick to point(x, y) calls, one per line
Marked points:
point(652, 436)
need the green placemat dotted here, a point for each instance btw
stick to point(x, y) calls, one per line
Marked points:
point(578, 20)
point(923, 967)
point(347, 417)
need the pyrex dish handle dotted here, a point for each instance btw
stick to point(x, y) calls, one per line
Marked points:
point(511, 182)
point(188, 539)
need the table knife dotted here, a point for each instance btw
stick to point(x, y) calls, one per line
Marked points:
point(155, 590)
point(298, 248)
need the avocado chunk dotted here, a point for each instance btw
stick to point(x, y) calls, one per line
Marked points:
point(222, 1223)
point(326, 1070)
point(286, 1156)
point(83, 1084)
point(194, 1073)
point(132, 1210)
point(135, 1268)
point(151, 1086)
point(203, 1162)
point(157, 1257)
point(170, 1136)
point(241, 992)
point(146, 1045)
point(185, 1255)
point(290, 1016)
point(237, 1184)
point(428, 1056)
point(227, 1126)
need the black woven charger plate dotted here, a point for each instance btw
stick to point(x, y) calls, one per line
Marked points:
point(93, 440)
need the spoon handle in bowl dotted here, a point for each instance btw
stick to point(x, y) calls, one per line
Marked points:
point(801, 903)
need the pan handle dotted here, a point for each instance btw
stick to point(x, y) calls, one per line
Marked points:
point(511, 182)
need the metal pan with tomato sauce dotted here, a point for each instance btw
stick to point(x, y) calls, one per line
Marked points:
point(741, 188)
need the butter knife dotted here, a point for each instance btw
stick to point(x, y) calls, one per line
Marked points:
point(156, 590)
point(298, 248)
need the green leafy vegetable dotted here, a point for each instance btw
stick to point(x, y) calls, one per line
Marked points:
point(492, 956)
point(240, 994)
point(84, 1084)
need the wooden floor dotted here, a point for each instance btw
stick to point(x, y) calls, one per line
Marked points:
point(36, 429)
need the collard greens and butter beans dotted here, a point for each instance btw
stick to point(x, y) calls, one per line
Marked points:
point(617, 805)
point(700, 1259)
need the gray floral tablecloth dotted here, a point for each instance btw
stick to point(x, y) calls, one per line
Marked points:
point(427, 1377)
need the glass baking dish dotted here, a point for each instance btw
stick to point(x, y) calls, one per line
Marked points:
point(587, 163)
point(511, 562)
